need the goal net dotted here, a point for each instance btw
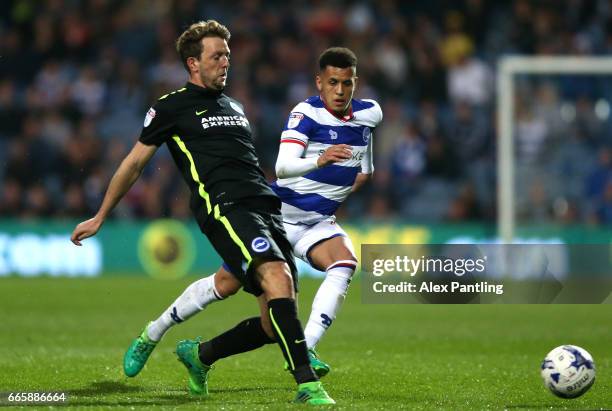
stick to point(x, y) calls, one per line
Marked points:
point(553, 117)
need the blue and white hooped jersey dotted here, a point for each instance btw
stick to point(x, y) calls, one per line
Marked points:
point(318, 194)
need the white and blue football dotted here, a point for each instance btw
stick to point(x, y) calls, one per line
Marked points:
point(568, 371)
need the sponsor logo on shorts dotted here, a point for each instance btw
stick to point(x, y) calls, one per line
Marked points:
point(260, 245)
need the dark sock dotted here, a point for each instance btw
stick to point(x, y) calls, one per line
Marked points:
point(246, 336)
point(290, 337)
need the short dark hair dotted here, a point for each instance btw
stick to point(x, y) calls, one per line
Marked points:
point(189, 43)
point(340, 57)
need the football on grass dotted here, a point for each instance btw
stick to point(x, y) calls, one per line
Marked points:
point(568, 371)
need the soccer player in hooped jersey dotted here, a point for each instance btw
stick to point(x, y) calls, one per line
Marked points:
point(325, 154)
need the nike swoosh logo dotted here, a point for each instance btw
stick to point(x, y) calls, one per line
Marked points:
point(199, 113)
point(299, 341)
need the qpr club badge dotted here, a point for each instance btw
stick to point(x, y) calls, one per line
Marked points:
point(366, 134)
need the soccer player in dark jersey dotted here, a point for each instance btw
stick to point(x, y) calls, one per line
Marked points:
point(210, 140)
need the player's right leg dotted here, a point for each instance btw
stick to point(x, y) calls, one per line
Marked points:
point(194, 299)
point(336, 257)
point(277, 283)
point(326, 247)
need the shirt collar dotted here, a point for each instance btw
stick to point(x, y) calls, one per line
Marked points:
point(347, 117)
point(203, 90)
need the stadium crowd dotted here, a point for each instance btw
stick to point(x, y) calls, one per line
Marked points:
point(77, 77)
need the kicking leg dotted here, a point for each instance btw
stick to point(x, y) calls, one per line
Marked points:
point(194, 299)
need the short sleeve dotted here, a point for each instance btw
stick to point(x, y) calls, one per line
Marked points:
point(157, 127)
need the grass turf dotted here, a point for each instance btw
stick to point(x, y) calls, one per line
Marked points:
point(69, 335)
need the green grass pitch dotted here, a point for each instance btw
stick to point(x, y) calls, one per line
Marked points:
point(70, 335)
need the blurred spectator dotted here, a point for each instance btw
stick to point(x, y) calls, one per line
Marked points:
point(408, 162)
point(389, 132)
point(469, 79)
point(537, 208)
point(587, 121)
point(531, 134)
point(600, 176)
point(468, 133)
point(88, 92)
point(441, 160)
point(409, 156)
point(465, 206)
point(603, 207)
point(11, 113)
point(11, 198)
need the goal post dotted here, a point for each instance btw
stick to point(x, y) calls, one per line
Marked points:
point(508, 68)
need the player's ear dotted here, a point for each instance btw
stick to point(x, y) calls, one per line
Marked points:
point(193, 64)
point(318, 81)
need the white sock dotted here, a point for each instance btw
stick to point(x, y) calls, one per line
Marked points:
point(193, 300)
point(328, 300)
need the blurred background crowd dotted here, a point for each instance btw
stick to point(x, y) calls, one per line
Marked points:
point(77, 77)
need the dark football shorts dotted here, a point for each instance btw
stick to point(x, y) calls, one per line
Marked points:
point(248, 234)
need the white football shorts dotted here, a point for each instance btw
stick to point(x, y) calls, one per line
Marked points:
point(304, 237)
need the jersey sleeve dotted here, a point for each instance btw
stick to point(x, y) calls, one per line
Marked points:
point(367, 162)
point(298, 127)
point(157, 127)
point(375, 115)
point(290, 163)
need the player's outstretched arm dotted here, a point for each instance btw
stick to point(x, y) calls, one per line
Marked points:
point(128, 172)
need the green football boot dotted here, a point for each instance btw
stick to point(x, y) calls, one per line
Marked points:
point(313, 393)
point(187, 352)
point(138, 353)
point(318, 366)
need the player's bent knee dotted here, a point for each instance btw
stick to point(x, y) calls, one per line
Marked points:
point(277, 283)
point(277, 286)
point(228, 289)
point(226, 284)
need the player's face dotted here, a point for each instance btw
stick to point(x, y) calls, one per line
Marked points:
point(213, 63)
point(337, 86)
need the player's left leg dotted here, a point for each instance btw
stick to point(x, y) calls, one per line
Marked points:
point(337, 258)
point(197, 296)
